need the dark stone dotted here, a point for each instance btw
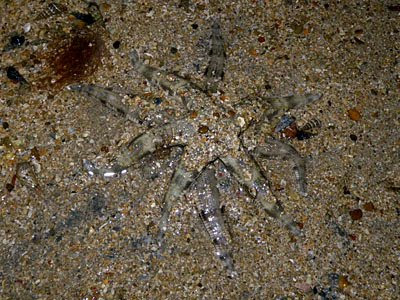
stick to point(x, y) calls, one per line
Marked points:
point(14, 75)
point(116, 44)
point(17, 41)
point(353, 137)
point(87, 18)
point(157, 101)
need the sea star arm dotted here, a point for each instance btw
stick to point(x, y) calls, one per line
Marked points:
point(248, 174)
point(276, 148)
point(169, 135)
point(180, 182)
point(207, 198)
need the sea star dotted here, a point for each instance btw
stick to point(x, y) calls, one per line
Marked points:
point(209, 131)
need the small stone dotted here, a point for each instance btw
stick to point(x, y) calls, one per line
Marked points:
point(9, 187)
point(358, 31)
point(395, 8)
point(303, 135)
point(173, 50)
point(346, 190)
point(369, 206)
point(354, 114)
point(202, 129)
point(303, 286)
point(5, 125)
point(223, 98)
point(88, 19)
point(297, 27)
point(14, 75)
point(157, 101)
point(194, 114)
point(17, 40)
point(231, 113)
point(240, 121)
point(195, 26)
point(353, 237)
point(353, 137)
point(253, 52)
point(27, 27)
point(104, 149)
point(343, 282)
point(116, 44)
point(261, 39)
point(356, 214)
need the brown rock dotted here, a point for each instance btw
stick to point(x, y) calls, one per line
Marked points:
point(356, 214)
point(369, 206)
point(354, 114)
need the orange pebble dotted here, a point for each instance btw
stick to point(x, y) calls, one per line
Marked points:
point(253, 52)
point(354, 114)
point(224, 98)
point(194, 114)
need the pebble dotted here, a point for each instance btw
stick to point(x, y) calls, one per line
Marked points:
point(27, 27)
point(354, 114)
point(194, 114)
point(353, 137)
point(261, 39)
point(116, 44)
point(356, 214)
point(231, 113)
point(202, 129)
point(297, 27)
point(14, 75)
point(353, 237)
point(303, 286)
point(17, 40)
point(88, 19)
point(253, 52)
point(369, 206)
point(9, 187)
point(157, 101)
point(303, 135)
point(343, 282)
point(395, 8)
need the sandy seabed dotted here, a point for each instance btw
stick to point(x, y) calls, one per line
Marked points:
point(66, 235)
